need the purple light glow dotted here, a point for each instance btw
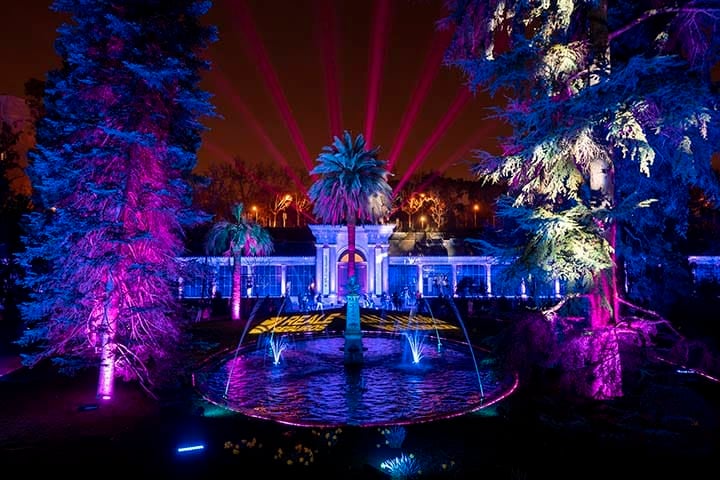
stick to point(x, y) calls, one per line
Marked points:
point(312, 387)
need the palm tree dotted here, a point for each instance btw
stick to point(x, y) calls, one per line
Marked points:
point(233, 239)
point(352, 186)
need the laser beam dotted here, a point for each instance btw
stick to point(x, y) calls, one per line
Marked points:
point(378, 41)
point(257, 51)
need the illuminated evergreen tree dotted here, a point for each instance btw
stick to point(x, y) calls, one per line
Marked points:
point(110, 174)
point(613, 120)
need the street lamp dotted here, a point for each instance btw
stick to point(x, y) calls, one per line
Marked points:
point(476, 208)
point(254, 209)
point(422, 222)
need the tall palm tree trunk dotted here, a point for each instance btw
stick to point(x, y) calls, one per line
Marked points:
point(351, 246)
point(108, 330)
point(236, 294)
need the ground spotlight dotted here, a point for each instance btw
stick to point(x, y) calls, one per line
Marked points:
point(194, 448)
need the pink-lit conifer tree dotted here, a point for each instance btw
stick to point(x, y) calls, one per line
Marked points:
point(110, 175)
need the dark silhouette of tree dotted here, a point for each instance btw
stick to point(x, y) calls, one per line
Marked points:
point(110, 176)
point(613, 121)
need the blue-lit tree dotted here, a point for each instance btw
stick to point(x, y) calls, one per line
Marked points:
point(110, 174)
point(614, 119)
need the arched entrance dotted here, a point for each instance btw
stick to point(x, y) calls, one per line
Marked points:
point(360, 272)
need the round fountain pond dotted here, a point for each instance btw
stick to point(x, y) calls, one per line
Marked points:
point(309, 385)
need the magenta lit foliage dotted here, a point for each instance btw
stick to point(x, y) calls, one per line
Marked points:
point(111, 180)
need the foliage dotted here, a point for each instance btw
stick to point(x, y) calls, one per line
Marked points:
point(110, 173)
point(252, 184)
point(351, 186)
point(292, 451)
point(238, 237)
point(614, 120)
point(352, 182)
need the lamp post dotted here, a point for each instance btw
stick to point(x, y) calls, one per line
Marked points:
point(422, 222)
point(476, 208)
point(254, 209)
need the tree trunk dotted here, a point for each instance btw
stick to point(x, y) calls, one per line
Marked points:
point(236, 294)
point(106, 373)
point(595, 355)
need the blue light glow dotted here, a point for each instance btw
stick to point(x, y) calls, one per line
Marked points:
point(191, 448)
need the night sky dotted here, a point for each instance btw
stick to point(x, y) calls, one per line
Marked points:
point(271, 80)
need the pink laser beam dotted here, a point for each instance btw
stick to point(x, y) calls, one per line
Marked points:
point(220, 153)
point(224, 85)
point(327, 39)
point(431, 67)
point(460, 101)
point(259, 54)
point(378, 40)
point(456, 156)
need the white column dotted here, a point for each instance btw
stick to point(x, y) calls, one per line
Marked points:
point(488, 279)
point(318, 266)
point(453, 280)
point(326, 271)
point(385, 270)
point(557, 288)
point(421, 286)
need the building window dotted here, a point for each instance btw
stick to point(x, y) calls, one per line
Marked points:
point(298, 277)
point(223, 282)
point(471, 281)
point(401, 277)
point(437, 280)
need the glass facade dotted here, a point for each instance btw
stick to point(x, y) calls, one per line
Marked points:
point(265, 280)
point(298, 278)
point(437, 280)
point(458, 276)
point(401, 277)
point(471, 281)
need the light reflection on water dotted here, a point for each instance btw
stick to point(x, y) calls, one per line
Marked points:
point(311, 385)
